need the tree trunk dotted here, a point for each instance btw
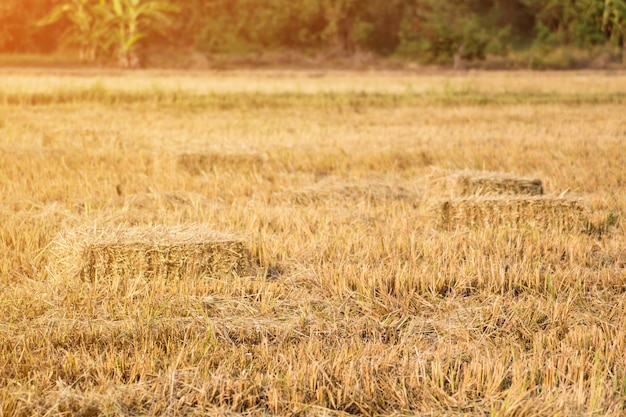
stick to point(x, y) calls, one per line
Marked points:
point(339, 26)
point(623, 36)
point(458, 58)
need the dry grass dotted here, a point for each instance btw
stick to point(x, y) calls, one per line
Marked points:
point(512, 212)
point(331, 190)
point(198, 163)
point(359, 306)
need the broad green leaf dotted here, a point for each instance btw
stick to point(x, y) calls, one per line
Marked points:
point(129, 43)
point(55, 15)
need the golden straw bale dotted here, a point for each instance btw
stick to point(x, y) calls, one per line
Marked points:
point(513, 212)
point(149, 252)
point(468, 183)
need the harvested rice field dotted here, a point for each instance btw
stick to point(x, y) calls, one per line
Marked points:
point(312, 244)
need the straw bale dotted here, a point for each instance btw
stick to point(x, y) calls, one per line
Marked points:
point(514, 212)
point(148, 252)
point(197, 163)
point(469, 183)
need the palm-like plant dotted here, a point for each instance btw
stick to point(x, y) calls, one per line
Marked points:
point(131, 20)
point(613, 20)
point(101, 25)
point(87, 29)
point(615, 16)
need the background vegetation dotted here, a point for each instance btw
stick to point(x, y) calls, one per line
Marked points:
point(430, 31)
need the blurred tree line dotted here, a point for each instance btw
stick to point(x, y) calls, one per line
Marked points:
point(426, 30)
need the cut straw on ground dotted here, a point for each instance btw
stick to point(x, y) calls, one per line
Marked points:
point(197, 163)
point(336, 191)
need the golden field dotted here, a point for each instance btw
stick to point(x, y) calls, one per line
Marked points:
point(358, 302)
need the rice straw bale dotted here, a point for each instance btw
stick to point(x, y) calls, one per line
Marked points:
point(494, 183)
point(148, 252)
point(511, 212)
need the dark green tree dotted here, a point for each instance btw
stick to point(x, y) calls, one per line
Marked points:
point(563, 22)
point(436, 31)
point(612, 22)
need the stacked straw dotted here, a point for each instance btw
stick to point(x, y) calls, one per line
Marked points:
point(511, 212)
point(148, 252)
point(491, 199)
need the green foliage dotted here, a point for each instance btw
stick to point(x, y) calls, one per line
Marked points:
point(129, 21)
point(378, 26)
point(428, 30)
point(614, 19)
point(98, 27)
point(436, 30)
point(244, 26)
point(563, 22)
point(609, 17)
point(87, 28)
